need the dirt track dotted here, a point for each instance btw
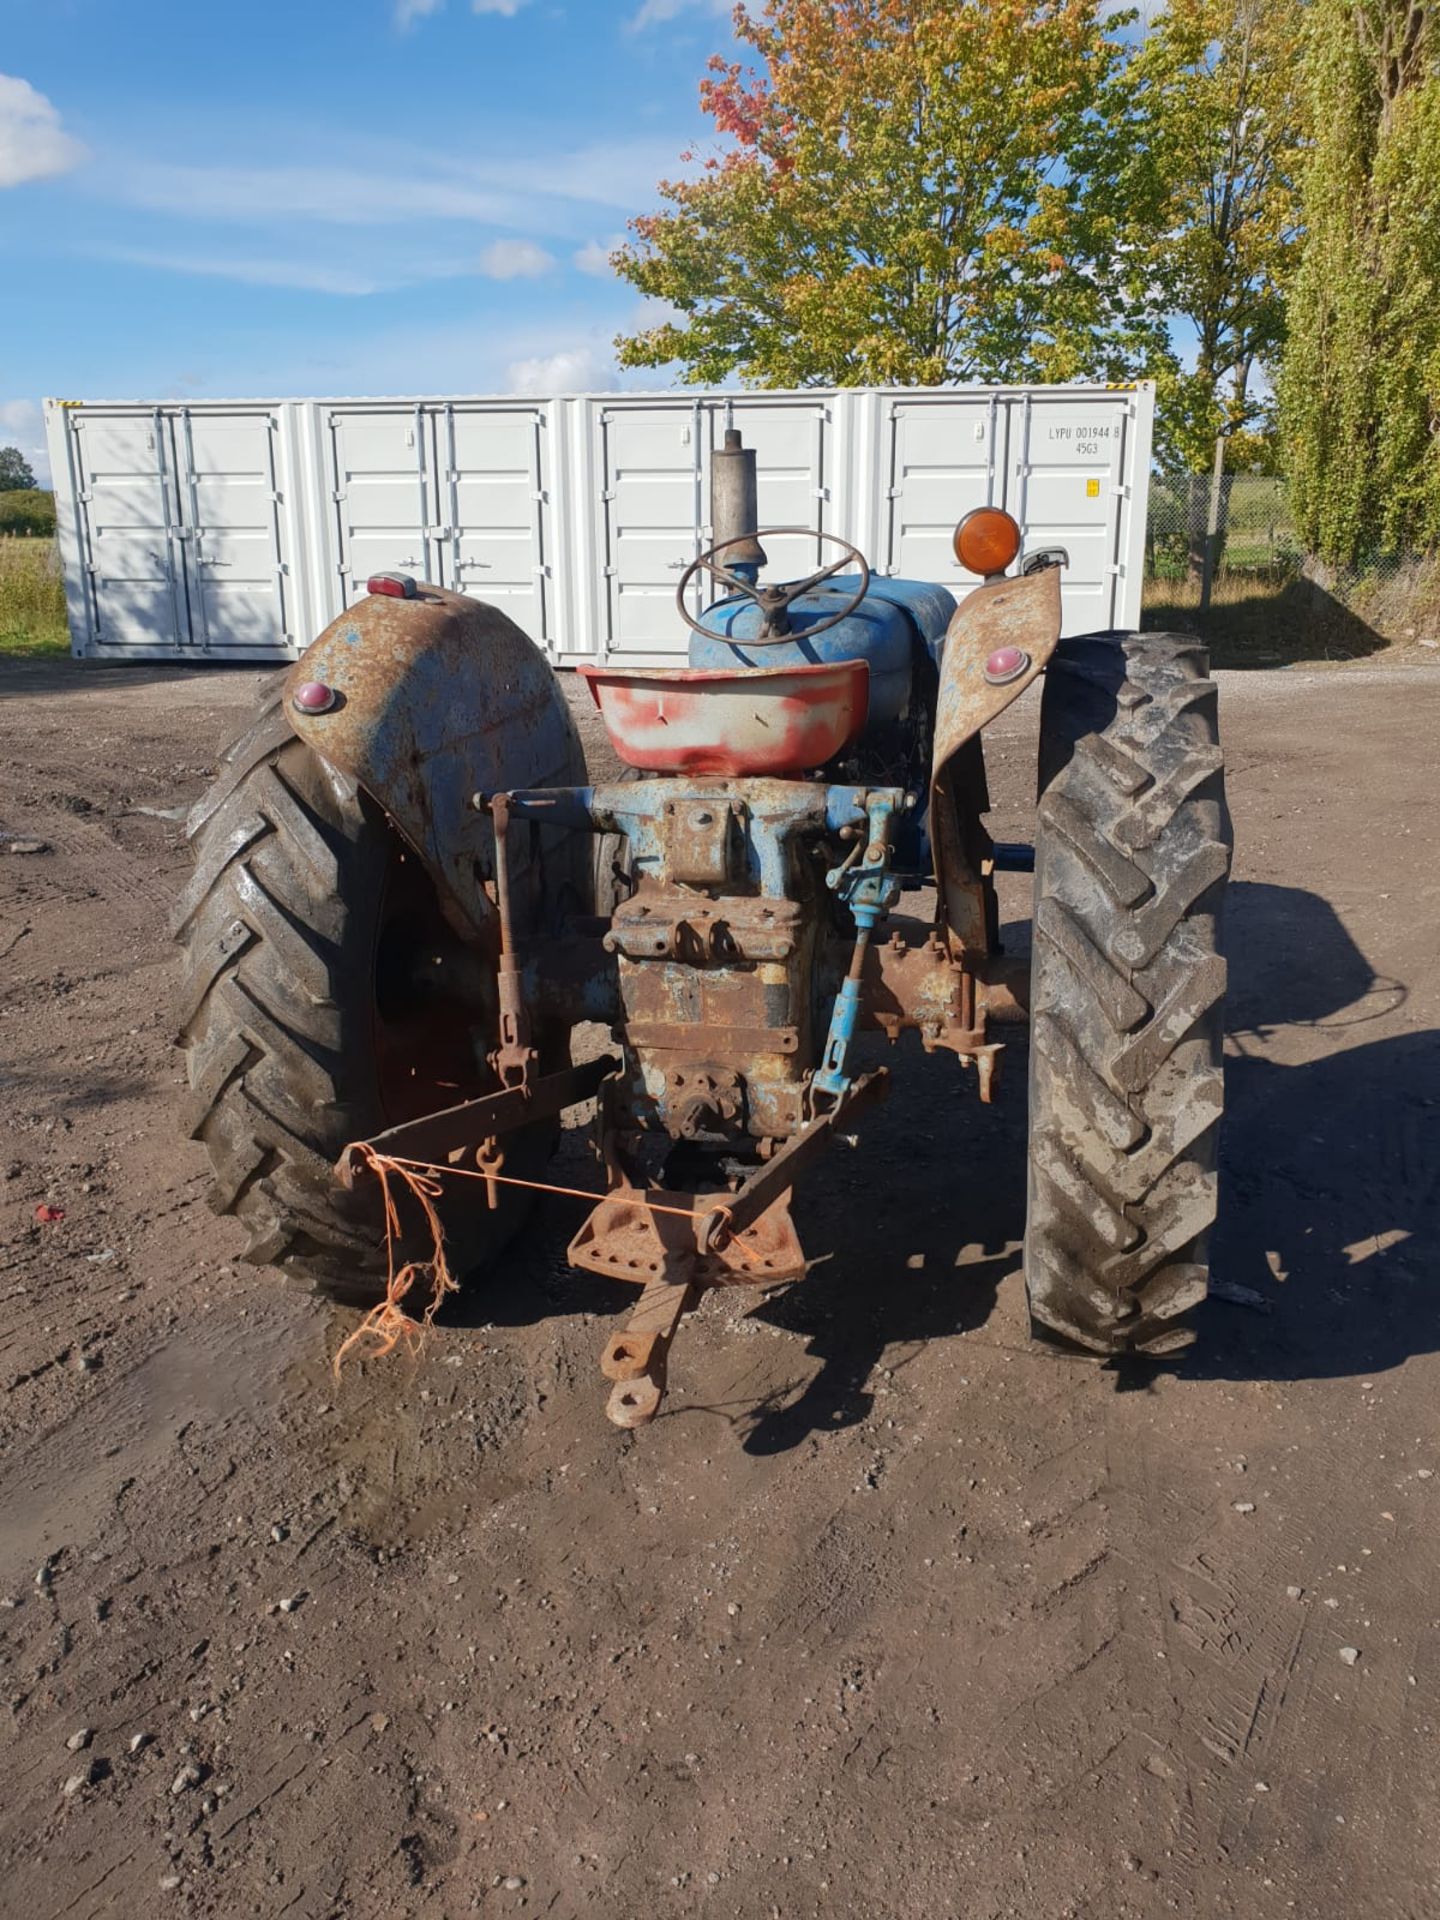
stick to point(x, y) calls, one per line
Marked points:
point(891, 1615)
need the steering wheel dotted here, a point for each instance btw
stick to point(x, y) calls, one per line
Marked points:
point(774, 602)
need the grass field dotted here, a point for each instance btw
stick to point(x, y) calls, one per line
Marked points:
point(32, 599)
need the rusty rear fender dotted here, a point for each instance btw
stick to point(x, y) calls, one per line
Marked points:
point(439, 697)
point(1023, 612)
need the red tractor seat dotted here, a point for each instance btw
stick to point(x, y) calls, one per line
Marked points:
point(742, 720)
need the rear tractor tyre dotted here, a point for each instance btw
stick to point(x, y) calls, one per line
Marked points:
point(311, 940)
point(1126, 1084)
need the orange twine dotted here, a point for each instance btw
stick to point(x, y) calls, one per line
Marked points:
point(387, 1323)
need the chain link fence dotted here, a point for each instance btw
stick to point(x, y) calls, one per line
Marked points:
point(1257, 533)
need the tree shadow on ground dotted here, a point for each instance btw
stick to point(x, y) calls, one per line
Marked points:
point(64, 676)
point(1255, 621)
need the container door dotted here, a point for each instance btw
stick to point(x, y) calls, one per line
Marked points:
point(235, 562)
point(492, 463)
point(789, 439)
point(1066, 488)
point(130, 533)
point(945, 457)
point(651, 503)
point(384, 494)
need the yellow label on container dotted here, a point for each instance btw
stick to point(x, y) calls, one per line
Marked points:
point(1092, 489)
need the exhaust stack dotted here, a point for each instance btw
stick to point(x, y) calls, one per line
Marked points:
point(734, 506)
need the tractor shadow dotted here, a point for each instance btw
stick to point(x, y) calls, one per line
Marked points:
point(925, 1218)
point(1330, 1157)
point(1327, 1253)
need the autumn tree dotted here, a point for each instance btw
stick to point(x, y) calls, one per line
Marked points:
point(903, 191)
point(1360, 390)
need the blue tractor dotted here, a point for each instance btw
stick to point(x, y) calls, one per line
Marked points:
point(408, 896)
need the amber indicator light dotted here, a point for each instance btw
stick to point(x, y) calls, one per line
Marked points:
point(986, 540)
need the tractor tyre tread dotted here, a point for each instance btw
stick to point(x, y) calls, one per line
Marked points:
point(270, 940)
point(1133, 847)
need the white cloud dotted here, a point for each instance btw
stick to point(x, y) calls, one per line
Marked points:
point(582, 369)
point(407, 12)
point(515, 260)
point(342, 196)
point(307, 276)
point(594, 256)
point(33, 144)
point(22, 425)
point(656, 13)
point(524, 190)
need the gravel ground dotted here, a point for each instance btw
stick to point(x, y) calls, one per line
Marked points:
point(891, 1614)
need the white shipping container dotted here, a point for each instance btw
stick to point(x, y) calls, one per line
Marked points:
point(236, 530)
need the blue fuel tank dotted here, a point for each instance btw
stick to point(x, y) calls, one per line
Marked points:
point(894, 619)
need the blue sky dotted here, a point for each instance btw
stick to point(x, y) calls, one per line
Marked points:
point(385, 196)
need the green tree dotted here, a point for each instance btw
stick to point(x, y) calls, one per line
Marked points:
point(27, 510)
point(908, 191)
point(1360, 386)
point(14, 470)
point(1217, 118)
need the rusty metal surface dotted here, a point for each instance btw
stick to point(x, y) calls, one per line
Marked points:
point(672, 1036)
point(756, 1199)
point(701, 836)
point(637, 1359)
point(439, 1137)
point(752, 720)
point(514, 1057)
point(625, 1240)
point(708, 1103)
point(656, 925)
point(437, 696)
point(715, 981)
point(1022, 613)
point(914, 982)
point(753, 1018)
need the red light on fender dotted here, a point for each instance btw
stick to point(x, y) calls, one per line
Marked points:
point(313, 696)
point(395, 586)
point(986, 541)
point(1006, 664)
